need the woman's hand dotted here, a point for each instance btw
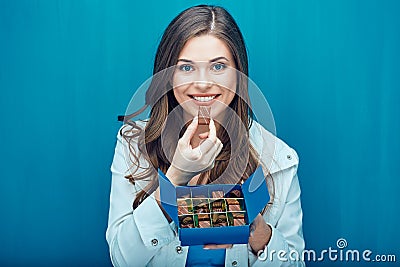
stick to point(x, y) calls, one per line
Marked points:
point(188, 161)
point(260, 234)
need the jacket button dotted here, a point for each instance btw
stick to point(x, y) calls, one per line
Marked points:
point(289, 157)
point(154, 242)
point(234, 263)
point(179, 249)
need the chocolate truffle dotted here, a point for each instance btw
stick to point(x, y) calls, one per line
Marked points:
point(219, 219)
point(186, 221)
point(218, 205)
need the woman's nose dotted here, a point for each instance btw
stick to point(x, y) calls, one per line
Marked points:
point(202, 85)
point(202, 79)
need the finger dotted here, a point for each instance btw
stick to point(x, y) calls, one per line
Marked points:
point(214, 152)
point(220, 146)
point(211, 155)
point(191, 129)
point(214, 149)
point(203, 135)
point(213, 132)
point(206, 146)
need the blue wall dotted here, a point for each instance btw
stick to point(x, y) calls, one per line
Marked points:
point(329, 69)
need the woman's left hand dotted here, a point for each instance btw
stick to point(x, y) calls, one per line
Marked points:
point(260, 234)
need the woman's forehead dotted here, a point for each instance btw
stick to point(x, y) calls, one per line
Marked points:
point(205, 48)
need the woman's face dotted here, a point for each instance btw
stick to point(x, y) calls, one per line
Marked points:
point(205, 75)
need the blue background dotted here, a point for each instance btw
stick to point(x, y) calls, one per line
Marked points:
point(329, 69)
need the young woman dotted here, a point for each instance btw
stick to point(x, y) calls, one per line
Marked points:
point(201, 61)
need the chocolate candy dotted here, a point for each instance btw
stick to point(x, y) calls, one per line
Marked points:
point(234, 208)
point(238, 222)
point(218, 205)
point(203, 217)
point(236, 218)
point(201, 206)
point(203, 220)
point(204, 224)
point(214, 210)
point(204, 115)
point(234, 204)
point(186, 221)
point(235, 193)
point(238, 215)
point(184, 206)
point(203, 209)
point(232, 201)
point(183, 210)
point(218, 210)
point(217, 194)
point(181, 202)
point(219, 219)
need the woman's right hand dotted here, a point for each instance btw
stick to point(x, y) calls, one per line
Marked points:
point(188, 161)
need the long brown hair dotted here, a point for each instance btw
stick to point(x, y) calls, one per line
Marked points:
point(194, 21)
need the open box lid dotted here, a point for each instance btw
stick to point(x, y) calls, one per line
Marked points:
point(255, 193)
point(168, 196)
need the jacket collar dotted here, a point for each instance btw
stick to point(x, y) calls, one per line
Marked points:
point(275, 155)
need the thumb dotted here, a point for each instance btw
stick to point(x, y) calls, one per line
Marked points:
point(191, 129)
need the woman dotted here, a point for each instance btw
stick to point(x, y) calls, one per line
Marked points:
point(202, 45)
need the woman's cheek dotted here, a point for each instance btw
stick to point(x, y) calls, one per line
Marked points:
point(179, 95)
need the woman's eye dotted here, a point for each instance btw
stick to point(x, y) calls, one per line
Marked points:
point(186, 68)
point(218, 66)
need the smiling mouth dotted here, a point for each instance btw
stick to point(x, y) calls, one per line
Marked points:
point(204, 98)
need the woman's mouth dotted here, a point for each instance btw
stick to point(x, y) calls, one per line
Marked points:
point(204, 99)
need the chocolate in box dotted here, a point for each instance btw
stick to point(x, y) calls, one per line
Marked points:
point(214, 213)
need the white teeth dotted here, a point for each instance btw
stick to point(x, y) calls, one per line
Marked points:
point(204, 98)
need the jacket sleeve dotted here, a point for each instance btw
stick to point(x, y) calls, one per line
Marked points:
point(287, 241)
point(134, 236)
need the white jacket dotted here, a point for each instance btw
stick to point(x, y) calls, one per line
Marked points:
point(143, 237)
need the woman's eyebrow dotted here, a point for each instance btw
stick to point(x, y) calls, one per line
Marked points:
point(219, 58)
point(212, 60)
point(185, 60)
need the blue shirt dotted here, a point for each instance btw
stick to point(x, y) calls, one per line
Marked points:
point(198, 256)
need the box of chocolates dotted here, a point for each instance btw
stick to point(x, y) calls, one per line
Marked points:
point(214, 213)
